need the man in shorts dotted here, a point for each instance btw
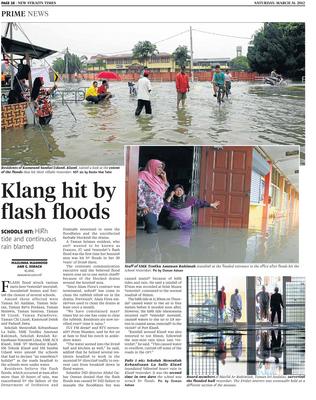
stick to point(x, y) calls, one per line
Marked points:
point(182, 85)
point(218, 81)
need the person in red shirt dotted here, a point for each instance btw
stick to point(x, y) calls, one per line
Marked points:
point(103, 90)
point(221, 303)
point(182, 85)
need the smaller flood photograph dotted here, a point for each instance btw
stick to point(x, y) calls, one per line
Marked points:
point(212, 204)
point(252, 325)
point(79, 98)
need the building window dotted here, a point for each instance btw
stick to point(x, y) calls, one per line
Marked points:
point(275, 196)
point(202, 300)
point(257, 188)
point(275, 179)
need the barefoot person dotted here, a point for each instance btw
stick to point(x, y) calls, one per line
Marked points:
point(179, 208)
point(152, 186)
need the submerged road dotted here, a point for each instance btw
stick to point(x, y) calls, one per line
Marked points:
point(256, 114)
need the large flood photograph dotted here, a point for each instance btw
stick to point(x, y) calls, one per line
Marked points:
point(253, 325)
point(78, 98)
point(212, 204)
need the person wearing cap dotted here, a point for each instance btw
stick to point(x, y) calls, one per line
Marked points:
point(143, 94)
point(179, 208)
point(182, 85)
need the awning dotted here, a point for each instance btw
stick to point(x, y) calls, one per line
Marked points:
point(21, 48)
point(259, 164)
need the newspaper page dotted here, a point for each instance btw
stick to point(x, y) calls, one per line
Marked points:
point(156, 199)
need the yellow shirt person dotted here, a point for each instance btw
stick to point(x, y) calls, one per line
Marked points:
point(92, 91)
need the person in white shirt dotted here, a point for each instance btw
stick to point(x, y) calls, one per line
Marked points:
point(228, 81)
point(236, 305)
point(143, 95)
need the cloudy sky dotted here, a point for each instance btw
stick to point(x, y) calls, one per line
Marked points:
point(105, 38)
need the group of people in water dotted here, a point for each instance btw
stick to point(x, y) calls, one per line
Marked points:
point(142, 89)
point(95, 93)
point(152, 198)
point(269, 305)
point(37, 96)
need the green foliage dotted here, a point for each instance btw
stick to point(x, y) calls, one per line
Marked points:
point(240, 63)
point(101, 64)
point(59, 65)
point(181, 55)
point(279, 46)
point(74, 64)
point(142, 51)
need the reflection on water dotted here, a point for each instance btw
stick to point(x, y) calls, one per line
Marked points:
point(255, 114)
point(261, 352)
point(279, 243)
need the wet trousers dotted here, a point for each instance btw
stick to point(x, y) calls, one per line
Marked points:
point(276, 311)
point(151, 225)
point(172, 223)
point(141, 104)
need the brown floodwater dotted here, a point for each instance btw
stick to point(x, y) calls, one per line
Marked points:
point(255, 114)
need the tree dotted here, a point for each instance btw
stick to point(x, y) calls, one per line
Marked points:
point(59, 65)
point(279, 46)
point(100, 63)
point(142, 51)
point(181, 55)
point(74, 64)
point(240, 63)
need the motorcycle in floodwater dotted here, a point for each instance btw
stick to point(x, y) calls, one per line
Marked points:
point(132, 88)
point(274, 81)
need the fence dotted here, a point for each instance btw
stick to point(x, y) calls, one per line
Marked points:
point(171, 76)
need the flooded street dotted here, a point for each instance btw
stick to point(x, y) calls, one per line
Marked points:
point(256, 114)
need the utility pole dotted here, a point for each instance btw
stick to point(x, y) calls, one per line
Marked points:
point(191, 50)
point(11, 56)
point(66, 64)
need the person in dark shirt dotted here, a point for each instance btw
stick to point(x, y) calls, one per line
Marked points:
point(275, 305)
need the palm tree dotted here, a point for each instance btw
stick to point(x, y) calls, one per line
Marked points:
point(142, 51)
point(181, 55)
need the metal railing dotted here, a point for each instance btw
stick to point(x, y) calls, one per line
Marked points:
point(70, 95)
point(62, 95)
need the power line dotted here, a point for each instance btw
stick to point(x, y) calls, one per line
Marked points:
point(221, 34)
point(173, 36)
point(159, 41)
